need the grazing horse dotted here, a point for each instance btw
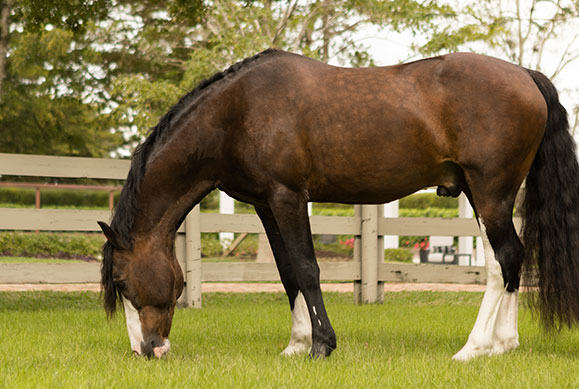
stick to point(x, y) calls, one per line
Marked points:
point(278, 130)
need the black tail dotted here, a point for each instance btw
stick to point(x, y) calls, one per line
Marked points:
point(551, 217)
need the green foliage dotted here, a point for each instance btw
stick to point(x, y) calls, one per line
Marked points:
point(58, 245)
point(244, 208)
point(211, 201)
point(57, 197)
point(141, 101)
point(18, 196)
point(45, 106)
point(451, 38)
point(332, 209)
point(427, 200)
point(333, 250)
point(429, 212)
point(233, 30)
point(248, 248)
point(68, 14)
point(87, 77)
point(84, 198)
point(210, 245)
point(398, 255)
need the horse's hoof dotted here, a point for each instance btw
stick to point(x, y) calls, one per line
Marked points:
point(321, 350)
point(504, 346)
point(469, 352)
point(296, 348)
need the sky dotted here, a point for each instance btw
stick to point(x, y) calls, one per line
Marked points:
point(389, 48)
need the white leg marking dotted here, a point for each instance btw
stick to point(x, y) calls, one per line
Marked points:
point(506, 336)
point(301, 336)
point(133, 326)
point(480, 340)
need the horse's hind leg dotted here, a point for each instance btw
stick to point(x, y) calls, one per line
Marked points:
point(301, 333)
point(495, 329)
point(291, 214)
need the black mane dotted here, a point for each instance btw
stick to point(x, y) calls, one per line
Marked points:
point(127, 207)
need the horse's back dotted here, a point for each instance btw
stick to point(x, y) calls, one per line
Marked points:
point(348, 133)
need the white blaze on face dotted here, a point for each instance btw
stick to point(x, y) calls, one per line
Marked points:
point(133, 326)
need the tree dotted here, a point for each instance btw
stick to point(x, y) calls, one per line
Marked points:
point(232, 30)
point(5, 7)
point(49, 103)
point(537, 34)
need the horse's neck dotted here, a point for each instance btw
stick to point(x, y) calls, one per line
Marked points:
point(169, 190)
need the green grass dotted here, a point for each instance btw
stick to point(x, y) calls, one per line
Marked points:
point(64, 340)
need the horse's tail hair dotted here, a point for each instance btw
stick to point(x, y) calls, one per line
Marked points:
point(551, 218)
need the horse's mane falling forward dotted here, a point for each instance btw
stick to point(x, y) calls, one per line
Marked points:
point(128, 206)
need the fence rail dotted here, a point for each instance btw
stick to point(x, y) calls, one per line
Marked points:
point(367, 271)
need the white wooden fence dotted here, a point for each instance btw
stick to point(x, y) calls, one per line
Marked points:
point(367, 271)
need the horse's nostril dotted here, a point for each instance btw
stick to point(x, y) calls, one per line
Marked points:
point(147, 348)
point(149, 344)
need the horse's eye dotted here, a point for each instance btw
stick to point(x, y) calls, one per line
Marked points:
point(121, 285)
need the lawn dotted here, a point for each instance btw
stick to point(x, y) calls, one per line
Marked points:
point(52, 339)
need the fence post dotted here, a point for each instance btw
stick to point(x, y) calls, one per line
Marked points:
point(193, 257)
point(380, 255)
point(369, 261)
point(181, 254)
point(358, 257)
point(465, 245)
point(37, 198)
point(111, 199)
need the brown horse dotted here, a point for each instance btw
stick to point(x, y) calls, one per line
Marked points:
point(278, 130)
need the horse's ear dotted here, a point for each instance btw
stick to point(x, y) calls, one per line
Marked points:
point(110, 234)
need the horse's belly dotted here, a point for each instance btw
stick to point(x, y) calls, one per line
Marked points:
point(377, 187)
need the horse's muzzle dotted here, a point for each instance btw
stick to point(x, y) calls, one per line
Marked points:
point(155, 346)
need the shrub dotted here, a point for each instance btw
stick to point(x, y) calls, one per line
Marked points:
point(429, 212)
point(17, 196)
point(211, 201)
point(428, 200)
point(210, 245)
point(57, 197)
point(57, 245)
point(398, 255)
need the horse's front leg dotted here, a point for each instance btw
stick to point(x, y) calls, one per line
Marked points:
point(291, 215)
point(301, 333)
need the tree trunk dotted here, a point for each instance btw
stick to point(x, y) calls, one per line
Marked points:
point(326, 33)
point(5, 6)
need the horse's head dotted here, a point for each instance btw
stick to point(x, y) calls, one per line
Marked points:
point(148, 279)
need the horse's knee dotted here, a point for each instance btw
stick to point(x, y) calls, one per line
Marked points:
point(308, 275)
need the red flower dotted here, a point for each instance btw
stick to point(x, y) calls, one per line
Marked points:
point(348, 242)
point(423, 244)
